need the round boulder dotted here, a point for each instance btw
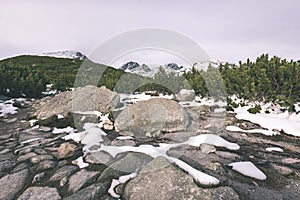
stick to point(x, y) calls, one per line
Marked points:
point(151, 116)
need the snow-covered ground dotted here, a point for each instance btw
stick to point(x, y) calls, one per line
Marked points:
point(7, 107)
point(276, 120)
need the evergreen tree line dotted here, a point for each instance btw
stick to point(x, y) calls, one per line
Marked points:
point(265, 79)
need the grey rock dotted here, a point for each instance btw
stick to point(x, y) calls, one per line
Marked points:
point(46, 164)
point(39, 177)
point(39, 158)
point(117, 142)
point(282, 170)
point(19, 167)
point(26, 157)
point(152, 115)
point(80, 179)
point(11, 184)
point(64, 171)
point(66, 150)
point(99, 157)
point(40, 151)
point(228, 155)
point(161, 180)
point(131, 163)
point(207, 148)
point(87, 98)
point(6, 165)
point(185, 95)
point(223, 193)
point(40, 193)
point(95, 191)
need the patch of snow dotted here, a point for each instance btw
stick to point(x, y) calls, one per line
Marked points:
point(124, 138)
point(65, 54)
point(274, 149)
point(162, 149)
point(63, 130)
point(59, 116)
point(248, 169)
point(93, 136)
point(213, 140)
point(265, 132)
point(7, 108)
point(81, 164)
point(31, 140)
point(32, 122)
point(289, 123)
point(97, 113)
point(121, 180)
point(198, 176)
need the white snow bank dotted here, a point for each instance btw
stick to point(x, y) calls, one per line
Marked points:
point(248, 169)
point(274, 149)
point(237, 129)
point(289, 123)
point(121, 180)
point(276, 119)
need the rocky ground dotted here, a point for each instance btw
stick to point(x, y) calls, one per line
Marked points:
point(47, 168)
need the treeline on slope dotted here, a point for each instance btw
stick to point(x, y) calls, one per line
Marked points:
point(28, 75)
point(266, 78)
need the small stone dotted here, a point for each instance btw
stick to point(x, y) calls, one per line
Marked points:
point(108, 127)
point(94, 147)
point(282, 170)
point(117, 142)
point(99, 157)
point(63, 181)
point(39, 158)
point(39, 177)
point(215, 166)
point(46, 164)
point(66, 150)
point(207, 148)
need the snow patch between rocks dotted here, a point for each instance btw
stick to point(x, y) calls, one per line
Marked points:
point(248, 169)
point(121, 180)
point(265, 132)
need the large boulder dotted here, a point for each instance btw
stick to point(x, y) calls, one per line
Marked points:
point(152, 116)
point(88, 98)
point(161, 180)
point(185, 95)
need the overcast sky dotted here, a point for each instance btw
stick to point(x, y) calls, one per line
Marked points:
point(226, 30)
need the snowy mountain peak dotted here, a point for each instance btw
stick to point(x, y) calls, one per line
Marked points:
point(173, 66)
point(130, 66)
point(65, 54)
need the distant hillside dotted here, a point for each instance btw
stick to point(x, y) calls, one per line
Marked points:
point(28, 75)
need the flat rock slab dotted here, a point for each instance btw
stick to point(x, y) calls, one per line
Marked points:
point(40, 193)
point(11, 184)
